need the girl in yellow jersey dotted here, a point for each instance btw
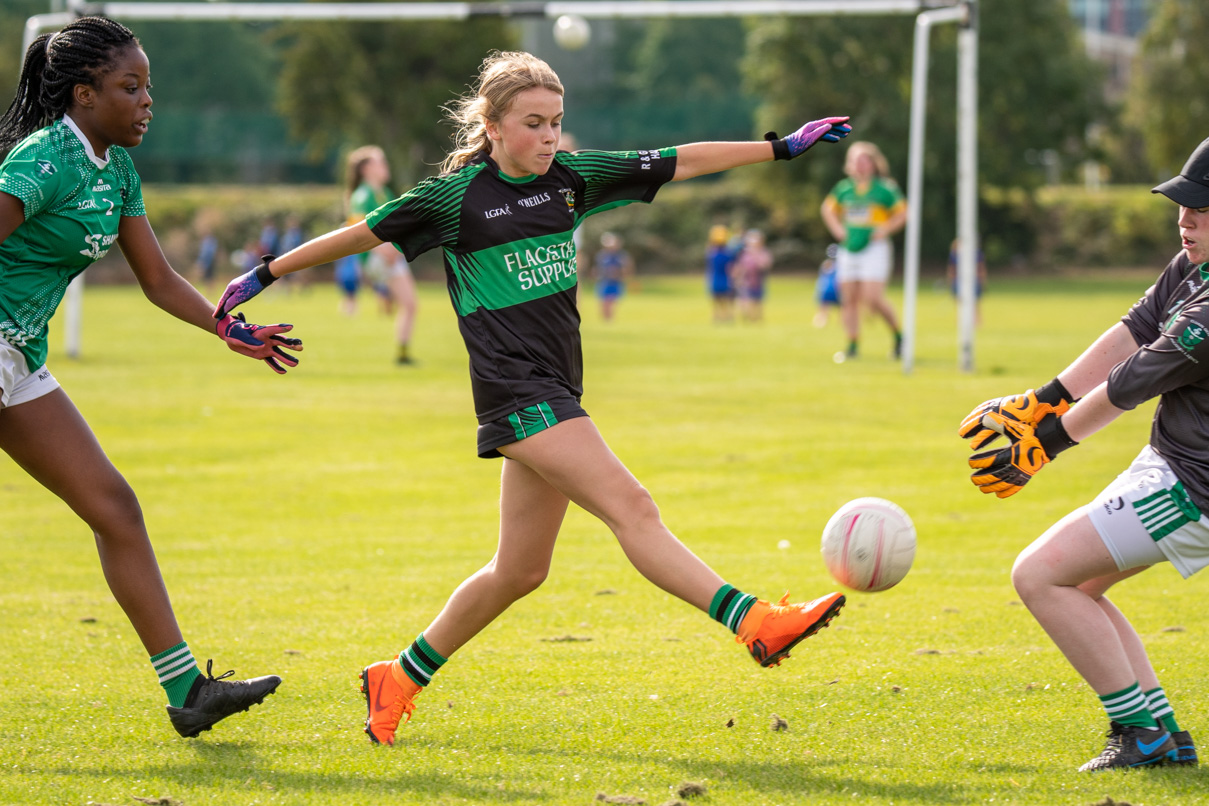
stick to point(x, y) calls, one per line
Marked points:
point(862, 211)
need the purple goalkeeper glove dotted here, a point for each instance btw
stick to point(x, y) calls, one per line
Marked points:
point(261, 342)
point(244, 287)
point(831, 130)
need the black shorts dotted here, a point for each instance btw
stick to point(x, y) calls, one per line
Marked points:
point(525, 423)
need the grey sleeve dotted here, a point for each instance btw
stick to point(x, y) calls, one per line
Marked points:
point(1178, 357)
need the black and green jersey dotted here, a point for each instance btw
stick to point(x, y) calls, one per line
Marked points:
point(1170, 324)
point(510, 262)
point(73, 201)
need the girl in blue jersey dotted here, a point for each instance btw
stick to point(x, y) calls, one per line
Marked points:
point(504, 213)
point(68, 192)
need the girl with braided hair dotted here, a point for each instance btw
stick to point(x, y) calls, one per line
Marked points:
point(504, 212)
point(68, 192)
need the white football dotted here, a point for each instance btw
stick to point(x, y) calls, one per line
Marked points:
point(869, 544)
point(571, 32)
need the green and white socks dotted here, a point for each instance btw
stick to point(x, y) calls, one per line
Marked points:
point(177, 670)
point(1161, 710)
point(420, 661)
point(1147, 709)
point(729, 606)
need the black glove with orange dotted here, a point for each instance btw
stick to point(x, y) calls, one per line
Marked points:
point(1004, 471)
point(1028, 408)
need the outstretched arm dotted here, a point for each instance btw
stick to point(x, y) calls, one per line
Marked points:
point(169, 291)
point(1091, 368)
point(699, 159)
point(352, 240)
point(158, 280)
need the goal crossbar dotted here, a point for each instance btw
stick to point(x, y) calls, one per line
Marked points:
point(928, 13)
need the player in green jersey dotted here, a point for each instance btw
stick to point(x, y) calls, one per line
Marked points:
point(862, 212)
point(387, 269)
point(504, 213)
point(68, 192)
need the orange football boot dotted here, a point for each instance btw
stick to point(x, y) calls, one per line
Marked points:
point(389, 694)
point(770, 631)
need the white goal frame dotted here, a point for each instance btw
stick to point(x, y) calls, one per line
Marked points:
point(928, 13)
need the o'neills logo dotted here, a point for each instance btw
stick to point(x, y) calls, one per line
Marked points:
point(533, 201)
point(498, 211)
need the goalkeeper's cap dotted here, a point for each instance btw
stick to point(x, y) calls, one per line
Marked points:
point(1191, 187)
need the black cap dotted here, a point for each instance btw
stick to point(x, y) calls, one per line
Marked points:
point(1191, 187)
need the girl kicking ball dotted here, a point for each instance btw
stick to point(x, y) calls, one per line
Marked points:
point(503, 211)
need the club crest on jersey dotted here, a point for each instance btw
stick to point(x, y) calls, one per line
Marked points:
point(1193, 335)
point(45, 168)
point(568, 197)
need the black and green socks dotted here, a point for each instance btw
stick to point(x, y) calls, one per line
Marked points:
point(177, 670)
point(1129, 706)
point(420, 661)
point(729, 607)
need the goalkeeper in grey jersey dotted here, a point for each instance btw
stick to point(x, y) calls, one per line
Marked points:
point(1151, 513)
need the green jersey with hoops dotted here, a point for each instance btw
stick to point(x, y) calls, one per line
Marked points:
point(73, 202)
point(1170, 323)
point(510, 261)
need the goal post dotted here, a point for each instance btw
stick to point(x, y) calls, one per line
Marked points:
point(928, 13)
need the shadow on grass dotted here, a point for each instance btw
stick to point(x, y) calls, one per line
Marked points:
point(219, 765)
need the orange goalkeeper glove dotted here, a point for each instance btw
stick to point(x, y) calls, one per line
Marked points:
point(1005, 471)
point(1028, 408)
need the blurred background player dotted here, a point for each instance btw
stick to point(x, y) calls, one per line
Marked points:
point(82, 100)
point(749, 270)
point(384, 267)
point(612, 268)
point(826, 288)
point(719, 255)
point(1151, 513)
point(518, 317)
point(862, 211)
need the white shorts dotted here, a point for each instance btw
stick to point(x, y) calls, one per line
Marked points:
point(17, 383)
point(1145, 517)
point(871, 264)
point(380, 271)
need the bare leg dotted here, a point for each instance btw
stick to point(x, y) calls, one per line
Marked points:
point(874, 294)
point(850, 309)
point(531, 513)
point(49, 439)
point(403, 290)
point(1134, 648)
point(574, 459)
point(1061, 577)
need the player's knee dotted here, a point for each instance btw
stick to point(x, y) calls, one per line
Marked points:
point(112, 509)
point(638, 508)
point(1025, 578)
point(522, 582)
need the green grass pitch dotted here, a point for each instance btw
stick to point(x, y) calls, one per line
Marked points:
point(311, 524)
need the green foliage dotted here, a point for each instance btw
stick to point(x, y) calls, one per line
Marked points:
point(13, 14)
point(310, 524)
point(1118, 226)
point(1036, 92)
point(346, 84)
point(1166, 96)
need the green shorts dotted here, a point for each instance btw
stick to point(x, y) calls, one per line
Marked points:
point(525, 423)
